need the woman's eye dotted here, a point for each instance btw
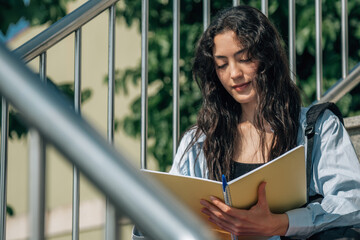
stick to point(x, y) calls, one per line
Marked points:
point(221, 66)
point(245, 60)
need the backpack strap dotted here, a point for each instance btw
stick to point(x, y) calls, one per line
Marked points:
point(311, 117)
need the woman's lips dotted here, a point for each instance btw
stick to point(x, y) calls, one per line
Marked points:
point(241, 87)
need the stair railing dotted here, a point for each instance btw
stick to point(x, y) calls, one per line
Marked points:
point(38, 46)
point(62, 28)
point(73, 22)
point(342, 86)
point(137, 196)
point(348, 80)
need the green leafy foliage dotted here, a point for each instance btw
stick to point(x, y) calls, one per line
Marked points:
point(331, 41)
point(191, 27)
point(35, 11)
point(160, 54)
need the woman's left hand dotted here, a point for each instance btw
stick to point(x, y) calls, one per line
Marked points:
point(258, 220)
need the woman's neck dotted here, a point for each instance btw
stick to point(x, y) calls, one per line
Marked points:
point(248, 112)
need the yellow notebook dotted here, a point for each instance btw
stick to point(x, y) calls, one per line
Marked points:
point(285, 189)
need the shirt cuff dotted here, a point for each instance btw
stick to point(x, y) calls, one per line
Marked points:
point(300, 223)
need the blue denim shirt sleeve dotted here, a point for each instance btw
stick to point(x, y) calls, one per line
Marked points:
point(335, 175)
point(190, 162)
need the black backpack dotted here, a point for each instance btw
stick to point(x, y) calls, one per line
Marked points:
point(311, 117)
point(340, 233)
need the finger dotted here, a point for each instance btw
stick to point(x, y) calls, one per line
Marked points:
point(229, 211)
point(220, 204)
point(226, 208)
point(209, 208)
point(262, 194)
point(217, 214)
point(206, 211)
point(224, 226)
point(234, 229)
point(212, 210)
point(209, 205)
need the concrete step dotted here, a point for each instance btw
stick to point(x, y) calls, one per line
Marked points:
point(352, 125)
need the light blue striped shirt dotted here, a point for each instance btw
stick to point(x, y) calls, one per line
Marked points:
point(336, 176)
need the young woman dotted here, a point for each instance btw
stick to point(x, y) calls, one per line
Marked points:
point(251, 113)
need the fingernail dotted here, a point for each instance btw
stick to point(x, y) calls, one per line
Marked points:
point(212, 198)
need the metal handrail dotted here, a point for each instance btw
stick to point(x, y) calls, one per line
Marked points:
point(342, 86)
point(62, 29)
point(48, 38)
point(149, 206)
point(3, 164)
point(73, 21)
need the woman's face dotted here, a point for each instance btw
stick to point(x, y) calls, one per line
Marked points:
point(234, 68)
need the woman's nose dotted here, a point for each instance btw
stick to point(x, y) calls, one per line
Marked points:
point(235, 72)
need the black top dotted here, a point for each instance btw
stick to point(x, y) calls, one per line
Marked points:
point(239, 169)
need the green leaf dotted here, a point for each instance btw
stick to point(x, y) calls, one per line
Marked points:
point(10, 210)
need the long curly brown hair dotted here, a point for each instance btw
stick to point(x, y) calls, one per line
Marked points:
point(279, 100)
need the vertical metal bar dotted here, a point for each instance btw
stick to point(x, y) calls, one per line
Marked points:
point(292, 38)
point(37, 175)
point(265, 7)
point(42, 64)
point(111, 232)
point(344, 38)
point(319, 68)
point(144, 80)
point(176, 57)
point(3, 165)
point(206, 13)
point(77, 106)
point(111, 73)
point(37, 186)
point(236, 3)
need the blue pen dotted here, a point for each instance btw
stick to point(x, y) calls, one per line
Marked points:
point(227, 198)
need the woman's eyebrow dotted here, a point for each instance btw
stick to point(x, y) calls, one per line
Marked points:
point(242, 51)
point(237, 53)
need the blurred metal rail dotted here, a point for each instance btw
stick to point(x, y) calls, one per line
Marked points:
point(73, 23)
point(3, 165)
point(108, 169)
point(62, 28)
